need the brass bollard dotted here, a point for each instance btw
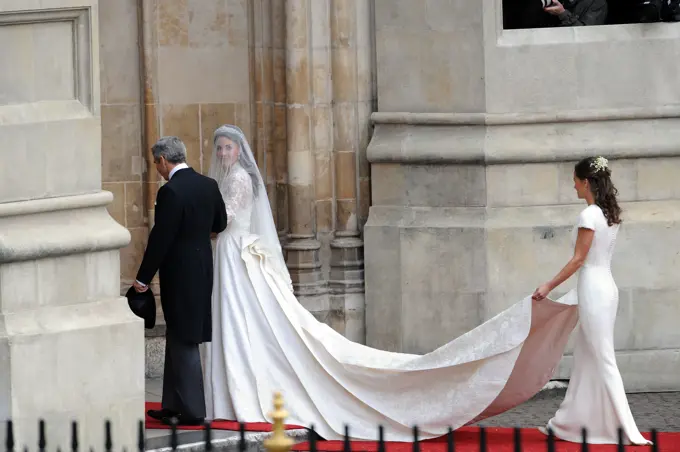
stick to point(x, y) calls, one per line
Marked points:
point(279, 441)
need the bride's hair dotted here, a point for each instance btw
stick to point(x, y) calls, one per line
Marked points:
point(231, 133)
point(599, 176)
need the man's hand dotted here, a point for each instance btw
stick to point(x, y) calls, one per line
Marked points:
point(213, 235)
point(139, 287)
point(556, 9)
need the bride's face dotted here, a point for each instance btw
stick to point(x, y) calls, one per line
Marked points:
point(227, 151)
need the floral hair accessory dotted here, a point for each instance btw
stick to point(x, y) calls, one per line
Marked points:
point(599, 164)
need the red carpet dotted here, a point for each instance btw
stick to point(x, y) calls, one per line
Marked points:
point(217, 425)
point(466, 439)
point(498, 440)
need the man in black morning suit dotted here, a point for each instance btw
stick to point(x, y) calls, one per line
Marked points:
point(188, 209)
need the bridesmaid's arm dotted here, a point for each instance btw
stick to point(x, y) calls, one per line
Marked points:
point(583, 242)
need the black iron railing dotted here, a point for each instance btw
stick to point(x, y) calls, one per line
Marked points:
point(280, 442)
point(312, 440)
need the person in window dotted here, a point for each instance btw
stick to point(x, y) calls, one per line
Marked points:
point(518, 14)
point(578, 12)
point(648, 11)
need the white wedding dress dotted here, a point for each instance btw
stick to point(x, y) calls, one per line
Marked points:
point(596, 397)
point(265, 341)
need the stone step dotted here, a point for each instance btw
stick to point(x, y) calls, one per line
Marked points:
point(222, 440)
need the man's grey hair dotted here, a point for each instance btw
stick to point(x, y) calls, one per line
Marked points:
point(170, 148)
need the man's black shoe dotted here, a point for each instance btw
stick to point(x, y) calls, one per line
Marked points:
point(182, 420)
point(160, 414)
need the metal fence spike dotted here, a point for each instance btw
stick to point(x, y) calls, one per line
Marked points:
point(346, 446)
point(74, 436)
point(517, 439)
point(381, 438)
point(208, 436)
point(242, 437)
point(584, 441)
point(173, 434)
point(108, 441)
point(312, 439)
point(140, 436)
point(9, 437)
point(416, 439)
point(42, 440)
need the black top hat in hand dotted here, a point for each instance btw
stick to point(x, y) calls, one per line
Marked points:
point(143, 304)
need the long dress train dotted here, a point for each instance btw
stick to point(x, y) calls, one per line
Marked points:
point(265, 341)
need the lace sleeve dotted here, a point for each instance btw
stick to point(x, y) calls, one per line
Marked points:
point(238, 194)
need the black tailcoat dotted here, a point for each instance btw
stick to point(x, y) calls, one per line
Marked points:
point(188, 208)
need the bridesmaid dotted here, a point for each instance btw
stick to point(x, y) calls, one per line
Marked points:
point(595, 397)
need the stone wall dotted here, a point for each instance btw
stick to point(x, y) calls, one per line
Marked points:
point(122, 157)
point(471, 170)
point(70, 349)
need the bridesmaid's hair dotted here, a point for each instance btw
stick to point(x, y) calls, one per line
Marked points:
point(599, 176)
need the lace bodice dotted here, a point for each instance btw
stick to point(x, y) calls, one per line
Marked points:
point(602, 248)
point(237, 191)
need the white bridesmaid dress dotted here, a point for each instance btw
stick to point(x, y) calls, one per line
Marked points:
point(595, 397)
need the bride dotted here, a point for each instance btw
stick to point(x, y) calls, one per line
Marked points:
point(265, 341)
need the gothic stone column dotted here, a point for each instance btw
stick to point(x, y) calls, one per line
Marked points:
point(261, 54)
point(279, 144)
point(302, 248)
point(70, 349)
point(351, 56)
point(268, 53)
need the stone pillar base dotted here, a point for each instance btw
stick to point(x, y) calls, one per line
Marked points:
point(346, 286)
point(48, 372)
point(304, 264)
point(70, 349)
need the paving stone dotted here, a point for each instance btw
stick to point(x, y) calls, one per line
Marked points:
point(659, 410)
